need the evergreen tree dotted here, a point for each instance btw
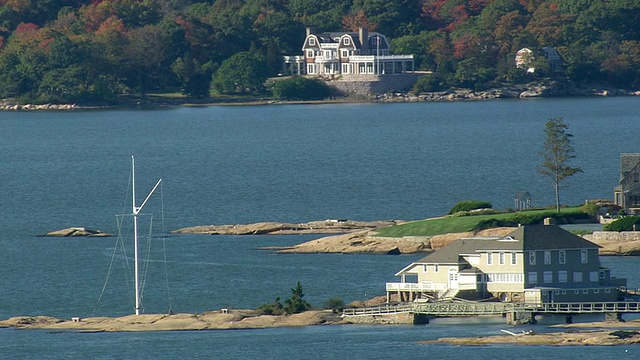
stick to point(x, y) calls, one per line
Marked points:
point(295, 304)
point(556, 153)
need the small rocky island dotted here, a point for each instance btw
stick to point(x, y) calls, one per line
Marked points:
point(77, 231)
point(331, 226)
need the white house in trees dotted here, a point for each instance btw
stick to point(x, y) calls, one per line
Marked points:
point(347, 53)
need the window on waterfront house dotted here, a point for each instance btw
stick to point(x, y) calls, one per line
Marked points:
point(577, 276)
point(533, 277)
point(547, 257)
point(562, 257)
point(593, 276)
point(532, 257)
point(346, 41)
point(489, 258)
point(514, 259)
point(345, 68)
point(425, 268)
point(312, 42)
point(547, 277)
point(501, 258)
point(345, 54)
point(562, 276)
point(584, 257)
point(436, 268)
point(310, 53)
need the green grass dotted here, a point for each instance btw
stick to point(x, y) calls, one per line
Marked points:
point(431, 227)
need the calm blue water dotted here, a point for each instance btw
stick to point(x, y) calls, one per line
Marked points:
point(224, 165)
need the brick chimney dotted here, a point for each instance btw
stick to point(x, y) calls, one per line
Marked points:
point(364, 40)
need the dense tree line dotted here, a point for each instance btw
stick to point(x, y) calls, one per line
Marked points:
point(95, 50)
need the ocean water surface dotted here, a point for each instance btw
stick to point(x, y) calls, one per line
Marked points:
point(294, 163)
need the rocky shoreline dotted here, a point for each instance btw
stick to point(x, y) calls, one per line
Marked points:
point(214, 320)
point(527, 91)
point(592, 334)
point(538, 89)
point(601, 335)
point(331, 226)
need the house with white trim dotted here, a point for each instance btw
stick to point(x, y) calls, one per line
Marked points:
point(347, 53)
point(627, 193)
point(532, 264)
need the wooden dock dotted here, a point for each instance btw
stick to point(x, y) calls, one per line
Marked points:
point(516, 313)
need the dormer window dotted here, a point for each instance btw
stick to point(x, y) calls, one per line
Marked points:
point(312, 41)
point(346, 41)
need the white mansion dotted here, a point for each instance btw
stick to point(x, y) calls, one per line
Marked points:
point(347, 53)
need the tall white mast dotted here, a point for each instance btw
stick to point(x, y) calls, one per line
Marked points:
point(136, 211)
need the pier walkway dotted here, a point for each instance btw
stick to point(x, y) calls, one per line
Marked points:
point(513, 311)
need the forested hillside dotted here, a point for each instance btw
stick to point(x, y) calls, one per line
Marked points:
point(97, 50)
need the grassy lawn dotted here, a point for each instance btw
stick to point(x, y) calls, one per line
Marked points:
point(431, 227)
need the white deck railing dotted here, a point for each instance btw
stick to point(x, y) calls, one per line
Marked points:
point(394, 286)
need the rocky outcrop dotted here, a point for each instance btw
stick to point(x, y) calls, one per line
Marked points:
point(77, 231)
point(277, 228)
point(215, 320)
point(368, 242)
point(616, 243)
point(568, 338)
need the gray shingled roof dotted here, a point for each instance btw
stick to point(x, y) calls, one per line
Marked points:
point(528, 237)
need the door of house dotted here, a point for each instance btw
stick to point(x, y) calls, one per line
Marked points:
point(453, 278)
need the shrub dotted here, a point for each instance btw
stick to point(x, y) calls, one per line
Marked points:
point(469, 205)
point(336, 304)
point(430, 83)
point(591, 208)
point(624, 224)
point(274, 308)
point(301, 88)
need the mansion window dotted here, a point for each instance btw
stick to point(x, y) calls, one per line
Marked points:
point(562, 257)
point(311, 68)
point(532, 257)
point(310, 53)
point(547, 277)
point(489, 258)
point(346, 41)
point(312, 41)
point(593, 276)
point(533, 277)
point(584, 257)
point(547, 257)
point(345, 54)
point(577, 276)
point(425, 268)
point(436, 268)
point(562, 276)
point(501, 258)
point(514, 259)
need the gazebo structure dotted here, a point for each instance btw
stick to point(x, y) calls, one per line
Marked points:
point(522, 200)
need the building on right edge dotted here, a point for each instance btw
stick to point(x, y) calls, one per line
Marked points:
point(627, 193)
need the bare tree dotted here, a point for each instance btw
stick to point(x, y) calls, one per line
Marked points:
point(556, 153)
